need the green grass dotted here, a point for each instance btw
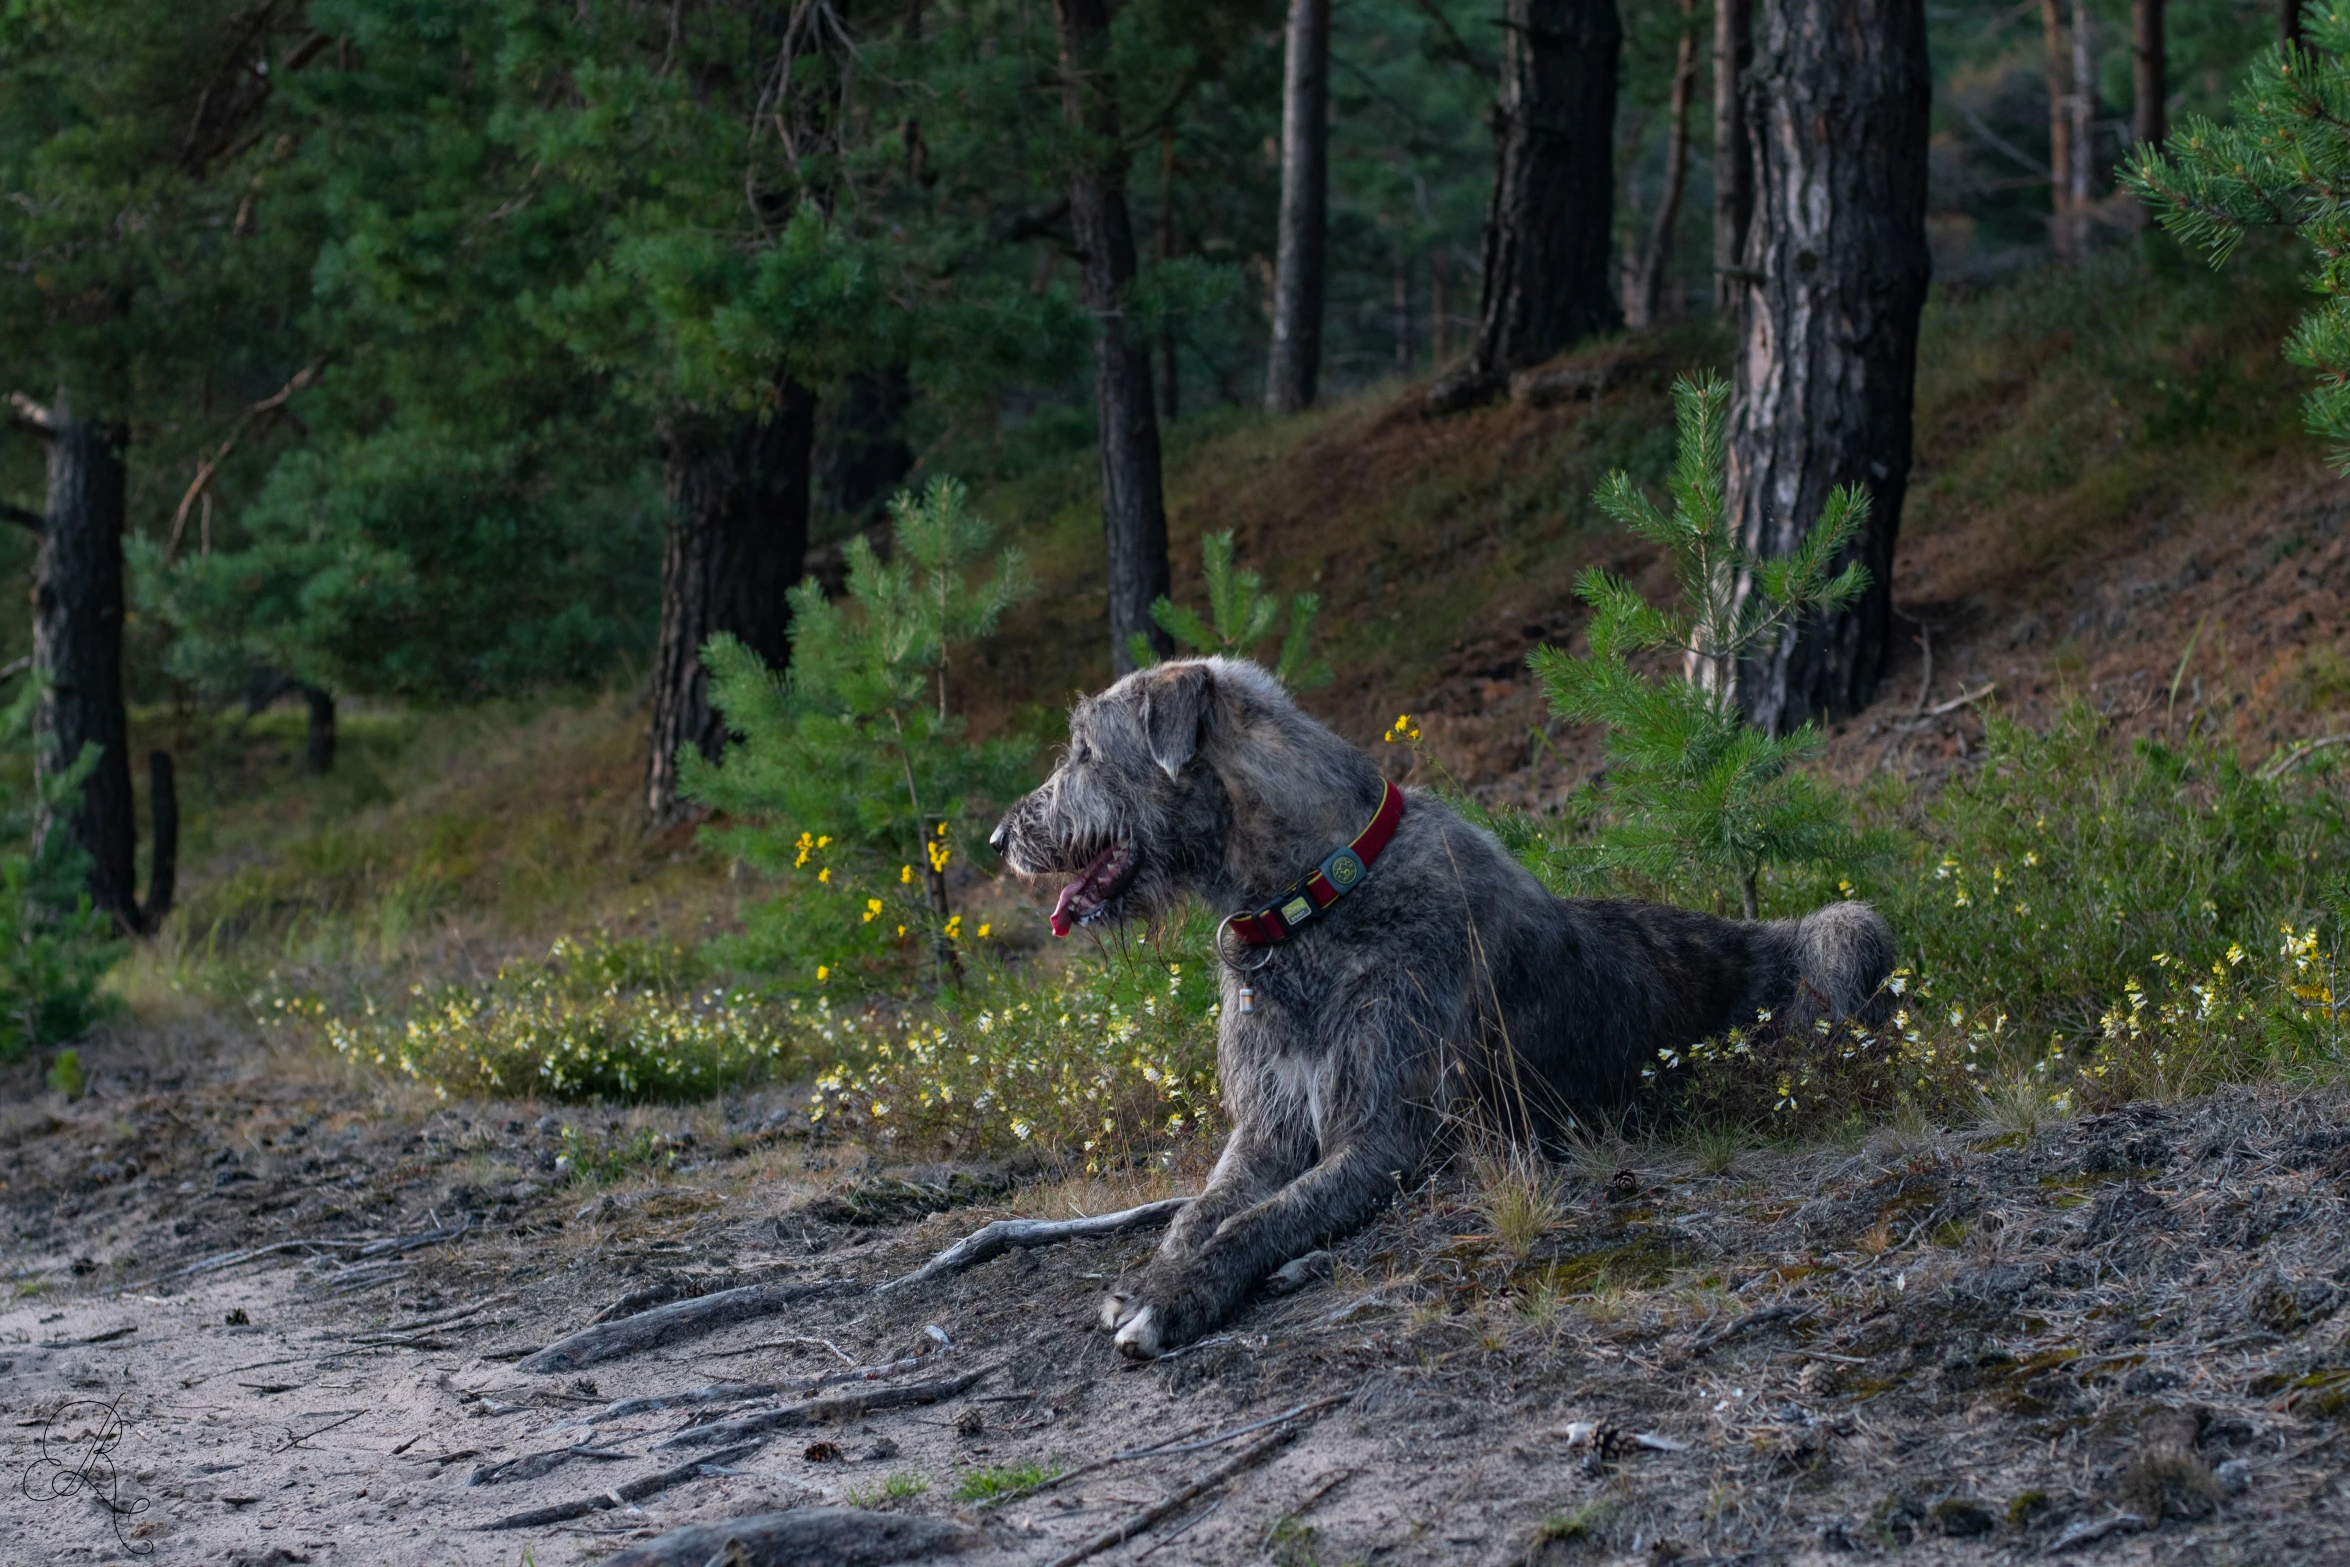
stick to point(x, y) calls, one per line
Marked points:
point(980, 1485)
point(900, 1485)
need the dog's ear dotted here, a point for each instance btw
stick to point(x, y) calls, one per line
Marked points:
point(1175, 714)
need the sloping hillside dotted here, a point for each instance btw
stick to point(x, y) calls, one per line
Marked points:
point(2107, 460)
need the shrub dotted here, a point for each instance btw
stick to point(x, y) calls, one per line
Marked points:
point(851, 777)
point(1112, 1060)
point(55, 946)
point(597, 1019)
point(1695, 793)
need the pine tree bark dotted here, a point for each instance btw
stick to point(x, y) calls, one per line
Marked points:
point(738, 488)
point(862, 455)
point(1822, 391)
point(77, 651)
point(1295, 362)
point(1644, 301)
point(1733, 170)
point(1134, 509)
point(2149, 74)
point(318, 731)
point(2063, 232)
point(1547, 231)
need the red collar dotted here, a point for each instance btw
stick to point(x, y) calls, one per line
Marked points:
point(1340, 874)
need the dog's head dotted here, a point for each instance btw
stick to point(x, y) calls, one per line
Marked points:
point(1134, 813)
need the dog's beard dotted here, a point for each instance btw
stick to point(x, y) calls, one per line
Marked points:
point(1097, 892)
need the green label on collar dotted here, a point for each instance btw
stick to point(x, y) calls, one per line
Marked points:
point(1296, 910)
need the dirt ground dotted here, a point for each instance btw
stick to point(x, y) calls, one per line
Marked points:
point(2114, 1338)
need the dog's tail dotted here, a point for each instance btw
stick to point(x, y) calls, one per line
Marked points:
point(1836, 960)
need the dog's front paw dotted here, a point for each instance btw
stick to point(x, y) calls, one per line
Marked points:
point(1155, 1314)
point(1135, 1324)
point(1139, 1338)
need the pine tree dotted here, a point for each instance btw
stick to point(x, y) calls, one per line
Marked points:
point(852, 765)
point(2284, 163)
point(1242, 617)
point(1695, 792)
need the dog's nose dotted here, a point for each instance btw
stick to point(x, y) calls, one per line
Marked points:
point(995, 840)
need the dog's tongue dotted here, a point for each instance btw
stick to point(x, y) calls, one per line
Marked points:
point(1063, 923)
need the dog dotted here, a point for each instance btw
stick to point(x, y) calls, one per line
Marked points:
point(1372, 983)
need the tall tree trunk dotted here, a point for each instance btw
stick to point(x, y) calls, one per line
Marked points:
point(1825, 371)
point(318, 732)
point(77, 658)
point(1439, 308)
point(738, 537)
point(1170, 378)
point(1547, 231)
point(2084, 118)
point(861, 451)
point(2149, 74)
point(1296, 357)
point(1644, 303)
point(1733, 160)
point(1134, 508)
point(2063, 231)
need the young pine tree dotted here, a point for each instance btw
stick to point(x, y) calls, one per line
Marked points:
point(55, 945)
point(1242, 616)
point(2285, 163)
point(852, 772)
point(1696, 794)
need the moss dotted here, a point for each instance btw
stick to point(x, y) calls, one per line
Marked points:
point(2025, 1507)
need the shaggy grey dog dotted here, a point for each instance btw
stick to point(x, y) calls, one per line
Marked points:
point(1449, 971)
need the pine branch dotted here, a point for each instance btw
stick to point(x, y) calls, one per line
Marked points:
point(23, 516)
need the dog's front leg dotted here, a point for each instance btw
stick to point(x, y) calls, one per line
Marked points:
point(1179, 1297)
point(1263, 1154)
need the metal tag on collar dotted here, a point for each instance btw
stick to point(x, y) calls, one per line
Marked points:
point(1345, 870)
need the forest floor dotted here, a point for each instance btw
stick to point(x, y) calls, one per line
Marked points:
point(2116, 1336)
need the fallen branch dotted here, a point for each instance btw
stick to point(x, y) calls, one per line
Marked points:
point(1608, 1441)
point(847, 1407)
point(229, 1259)
point(1119, 1533)
point(2091, 1532)
point(441, 1320)
point(666, 1324)
point(1763, 1318)
point(620, 1495)
point(993, 1240)
point(840, 1536)
point(1173, 1446)
point(529, 1466)
point(2291, 756)
point(744, 1392)
point(1963, 700)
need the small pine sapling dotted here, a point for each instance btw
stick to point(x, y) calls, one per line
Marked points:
point(1695, 792)
point(852, 766)
point(2284, 163)
point(1241, 617)
point(55, 945)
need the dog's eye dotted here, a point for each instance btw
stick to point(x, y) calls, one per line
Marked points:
point(1083, 754)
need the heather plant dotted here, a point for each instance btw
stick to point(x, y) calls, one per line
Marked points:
point(852, 779)
point(1110, 1060)
point(1696, 796)
point(596, 1019)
